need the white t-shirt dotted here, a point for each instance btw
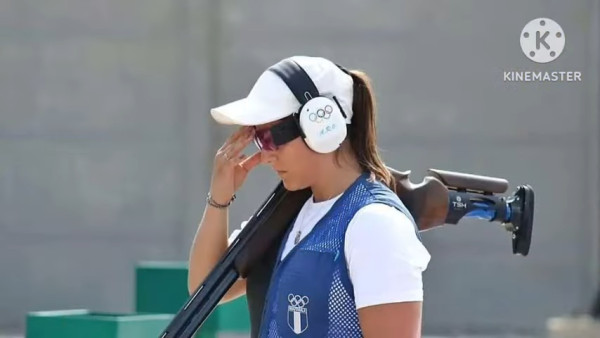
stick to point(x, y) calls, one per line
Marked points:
point(385, 258)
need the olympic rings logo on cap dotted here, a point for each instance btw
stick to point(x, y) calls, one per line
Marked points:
point(321, 114)
point(297, 301)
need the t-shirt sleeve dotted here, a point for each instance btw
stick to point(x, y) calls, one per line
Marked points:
point(236, 232)
point(385, 257)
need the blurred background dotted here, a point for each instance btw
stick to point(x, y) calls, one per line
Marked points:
point(106, 140)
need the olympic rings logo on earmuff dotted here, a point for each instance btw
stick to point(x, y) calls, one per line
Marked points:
point(321, 114)
point(297, 301)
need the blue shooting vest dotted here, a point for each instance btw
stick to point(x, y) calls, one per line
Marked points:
point(310, 293)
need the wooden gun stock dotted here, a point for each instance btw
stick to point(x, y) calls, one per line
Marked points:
point(427, 201)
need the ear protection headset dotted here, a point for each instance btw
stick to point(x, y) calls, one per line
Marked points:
point(321, 120)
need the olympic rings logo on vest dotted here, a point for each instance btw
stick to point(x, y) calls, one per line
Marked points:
point(297, 301)
point(321, 114)
point(297, 313)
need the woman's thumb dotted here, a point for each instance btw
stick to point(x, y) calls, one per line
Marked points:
point(251, 161)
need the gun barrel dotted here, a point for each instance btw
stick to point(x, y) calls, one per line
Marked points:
point(207, 296)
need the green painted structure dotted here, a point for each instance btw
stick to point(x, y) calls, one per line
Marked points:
point(160, 291)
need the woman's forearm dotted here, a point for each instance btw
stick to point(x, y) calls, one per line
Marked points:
point(210, 242)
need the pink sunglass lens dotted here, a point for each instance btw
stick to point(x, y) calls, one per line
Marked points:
point(264, 140)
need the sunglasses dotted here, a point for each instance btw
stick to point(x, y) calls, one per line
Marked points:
point(264, 140)
point(272, 138)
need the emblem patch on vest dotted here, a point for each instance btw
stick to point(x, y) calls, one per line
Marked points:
point(298, 313)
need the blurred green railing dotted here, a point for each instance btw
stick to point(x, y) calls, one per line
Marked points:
point(160, 291)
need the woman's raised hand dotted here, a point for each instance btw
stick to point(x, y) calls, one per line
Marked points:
point(231, 166)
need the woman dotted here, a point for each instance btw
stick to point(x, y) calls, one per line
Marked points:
point(351, 264)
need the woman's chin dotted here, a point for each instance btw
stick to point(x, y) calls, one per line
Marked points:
point(287, 184)
point(292, 185)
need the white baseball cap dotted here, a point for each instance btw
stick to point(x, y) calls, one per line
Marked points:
point(270, 98)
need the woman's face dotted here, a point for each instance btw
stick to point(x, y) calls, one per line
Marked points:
point(293, 162)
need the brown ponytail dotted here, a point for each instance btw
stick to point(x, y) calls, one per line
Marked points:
point(362, 131)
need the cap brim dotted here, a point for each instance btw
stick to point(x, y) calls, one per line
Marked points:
point(244, 112)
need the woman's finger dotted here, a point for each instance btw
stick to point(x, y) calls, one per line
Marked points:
point(240, 145)
point(250, 162)
point(232, 152)
point(240, 159)
point(242, 132)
